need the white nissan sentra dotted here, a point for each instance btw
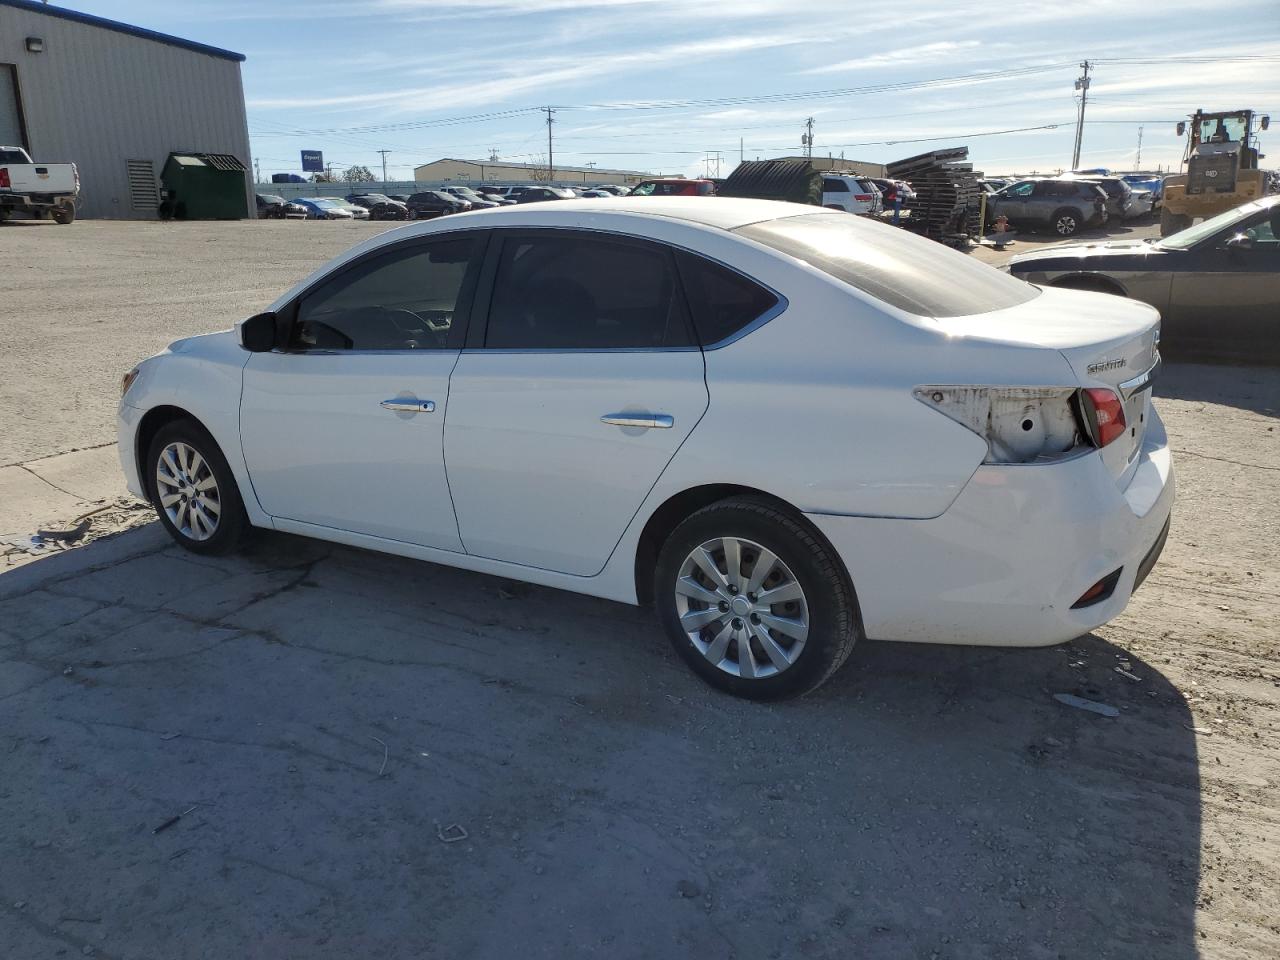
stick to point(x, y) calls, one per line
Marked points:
point(786, 427)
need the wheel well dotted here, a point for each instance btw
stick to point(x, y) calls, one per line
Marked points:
point(678, 508)
point(1085, 281)
point(152, 421)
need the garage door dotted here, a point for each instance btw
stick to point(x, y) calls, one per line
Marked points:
point(10, 124)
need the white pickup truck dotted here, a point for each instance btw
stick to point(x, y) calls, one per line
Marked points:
point(37, 189)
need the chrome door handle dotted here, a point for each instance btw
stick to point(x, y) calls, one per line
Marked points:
point(409, 406)
point(660, 421)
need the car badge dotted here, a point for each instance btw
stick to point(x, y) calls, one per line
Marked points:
point(1102, 366)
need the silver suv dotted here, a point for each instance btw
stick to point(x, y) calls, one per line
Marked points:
point(1063, 206)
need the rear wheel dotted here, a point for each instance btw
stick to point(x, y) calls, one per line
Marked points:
point(193, 490)
point(1066, 222)
point(754, 602)
point(64, 213)
point(1171, 223)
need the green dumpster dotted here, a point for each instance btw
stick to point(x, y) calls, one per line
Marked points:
point(204, 186)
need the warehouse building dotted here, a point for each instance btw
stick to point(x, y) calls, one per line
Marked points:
point(117, 101)
point(449, 170)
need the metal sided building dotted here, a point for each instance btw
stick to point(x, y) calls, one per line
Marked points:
point(449, 170)
point(116, 100)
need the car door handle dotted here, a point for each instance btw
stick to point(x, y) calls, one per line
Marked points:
point(409, 406)
point(660, 421)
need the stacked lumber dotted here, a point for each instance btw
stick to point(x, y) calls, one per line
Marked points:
point(948, 196)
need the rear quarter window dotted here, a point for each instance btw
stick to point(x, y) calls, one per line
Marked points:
point(722, 301)
point(898, 268)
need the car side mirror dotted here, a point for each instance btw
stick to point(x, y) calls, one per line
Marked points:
point(1182, 127)
point(1241, 241)
point(1266, 123)
point(258, 333)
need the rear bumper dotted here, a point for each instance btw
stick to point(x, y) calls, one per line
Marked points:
point(1018, 547)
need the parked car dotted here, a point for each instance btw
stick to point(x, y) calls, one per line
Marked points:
point(1151, 182)
point(1064, 206)
point(1141, 203)
point(538, 194)
point(848, 194)
point(672, 187)
point(272, 207)
point(287, 178)
point(321, 209)
point(433, 203)
point(994, 184)
point(513, 193)
point(497, 198)
point(380, 207)
point(470, 196)
point(357, 212)
point(597, 194)
point(30, 189)
point(953, 455)
point(1216, 284)
point(398, 197)
point(612, 188)
point(1119, 194)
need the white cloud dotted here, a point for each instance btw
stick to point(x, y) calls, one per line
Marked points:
point(924, 53)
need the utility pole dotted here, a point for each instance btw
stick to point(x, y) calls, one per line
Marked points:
point(257, 171)
point(551, 164)
point(807, 139)
point(1138, 160)
point(1082, 84)
point(384, 168)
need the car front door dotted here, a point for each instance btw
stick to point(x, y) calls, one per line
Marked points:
point(343, 426)
point(565, 409)
point(1013, 202)
point(1224, 304)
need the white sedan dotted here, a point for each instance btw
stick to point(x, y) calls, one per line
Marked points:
point(786, 427)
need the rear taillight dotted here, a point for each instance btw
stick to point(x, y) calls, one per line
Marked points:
point(862, 197)
point(4, 178)
point(1103, 415)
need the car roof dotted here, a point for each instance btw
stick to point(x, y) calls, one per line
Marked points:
point(724, 213)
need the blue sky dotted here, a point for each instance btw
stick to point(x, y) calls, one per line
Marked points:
point(353, 78)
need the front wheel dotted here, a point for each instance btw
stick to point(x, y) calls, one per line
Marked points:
point(1066, 223)
point(193, 490)
point(754, 602)
point(1171, 223)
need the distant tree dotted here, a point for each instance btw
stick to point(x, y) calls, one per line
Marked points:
point(358, 174)
point(321, 178)
point(540, 171)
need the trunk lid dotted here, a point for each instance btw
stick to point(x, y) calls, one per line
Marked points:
point(1108, 341)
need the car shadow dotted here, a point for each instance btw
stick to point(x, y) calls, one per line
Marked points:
point(1247, 388)
point(368, 755)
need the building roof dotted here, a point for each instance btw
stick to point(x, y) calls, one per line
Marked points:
point(528, 166)
point(31, 6)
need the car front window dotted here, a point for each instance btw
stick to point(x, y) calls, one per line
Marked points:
point(900, 269)
point(1189, 237)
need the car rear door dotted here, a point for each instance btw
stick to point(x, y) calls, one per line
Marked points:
point(567, 406)
point(343, 427)
point(1223, 304)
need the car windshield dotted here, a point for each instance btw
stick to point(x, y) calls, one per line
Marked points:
point(268, 198)
point(899, 268)
point(1193, 235)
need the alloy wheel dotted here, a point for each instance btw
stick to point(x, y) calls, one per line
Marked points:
point(1066, 225)
point(742, 608)
point(188, 491)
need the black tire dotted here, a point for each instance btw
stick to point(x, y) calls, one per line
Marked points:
point(232, 522)
point(1171, 223)
point(835, 623)
point(1066, 222)
point(64, 213)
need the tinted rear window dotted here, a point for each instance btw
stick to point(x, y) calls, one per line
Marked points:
point(723, 302)
point(899, 268)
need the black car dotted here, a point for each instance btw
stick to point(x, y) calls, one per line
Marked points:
point(380, 207)
point(398, 197)
point(278, 208)
point(537, 194)
point(1216, 284)
point(433, 203)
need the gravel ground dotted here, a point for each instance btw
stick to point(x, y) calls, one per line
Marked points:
point(329, 723)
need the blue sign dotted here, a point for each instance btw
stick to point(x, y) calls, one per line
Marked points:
point(312, 161)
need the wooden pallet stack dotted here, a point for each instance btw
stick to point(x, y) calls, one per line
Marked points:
point(948, 195)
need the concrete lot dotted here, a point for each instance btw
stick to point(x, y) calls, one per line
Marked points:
point(329, 722)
